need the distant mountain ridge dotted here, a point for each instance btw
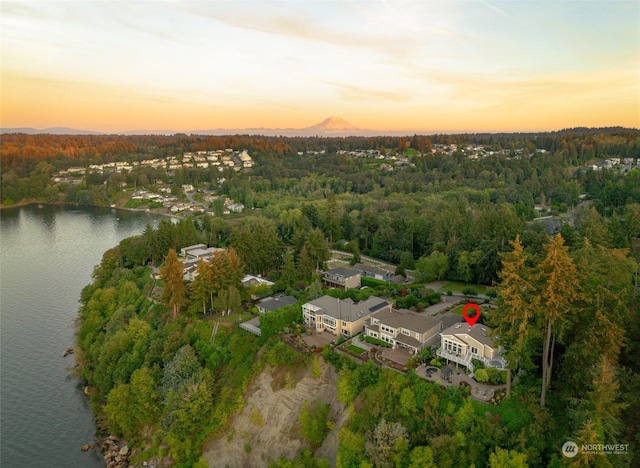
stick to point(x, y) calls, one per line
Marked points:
point(331, 126)
point(49, 131)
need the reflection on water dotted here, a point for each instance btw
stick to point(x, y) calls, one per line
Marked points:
point(47, 255)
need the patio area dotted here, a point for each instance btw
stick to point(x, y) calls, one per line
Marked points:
point(457, 377)
point(399, 355)
point(318, 339)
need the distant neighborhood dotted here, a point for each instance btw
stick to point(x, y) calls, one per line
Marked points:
point(237, 160)
point(164, 196)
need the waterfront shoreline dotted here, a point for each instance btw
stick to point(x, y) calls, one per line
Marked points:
point(80, 205)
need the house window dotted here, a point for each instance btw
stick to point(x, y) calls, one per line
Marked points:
point(474, 350)
point(344, 324)
point(329, 321)
point(406, 332)
point(453, 347)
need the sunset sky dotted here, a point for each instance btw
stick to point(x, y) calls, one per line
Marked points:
point(418, 66)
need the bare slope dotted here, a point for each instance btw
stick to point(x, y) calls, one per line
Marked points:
point(266, 428)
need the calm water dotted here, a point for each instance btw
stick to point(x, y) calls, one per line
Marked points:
point(47, 254)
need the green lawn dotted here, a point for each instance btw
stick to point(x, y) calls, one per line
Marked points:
point(458, 310)
point(355, 349)
point(456, 286)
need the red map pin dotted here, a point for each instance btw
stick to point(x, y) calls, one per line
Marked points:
point(471, 320)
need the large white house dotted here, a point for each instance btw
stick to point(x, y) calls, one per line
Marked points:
point(462, 344)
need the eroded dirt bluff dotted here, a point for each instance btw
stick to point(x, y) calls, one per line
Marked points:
point(267, 428)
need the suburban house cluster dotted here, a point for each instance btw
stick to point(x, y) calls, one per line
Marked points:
point(374, 317)
point(228, 158)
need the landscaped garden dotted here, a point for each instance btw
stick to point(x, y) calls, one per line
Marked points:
point(377, 342)
point(458, 287)
point(355, 349)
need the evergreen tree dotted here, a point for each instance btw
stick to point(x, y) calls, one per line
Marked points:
point(257, 244)
point(315, 290)
point(202, 285)
point(234, 299)
point(517, 301)
point(331, 219)
point(233, 268)
point(306, 264)
point(221, 302)
point(317, 249)
point(174, 291)
point(560, 289)
point(289, 273)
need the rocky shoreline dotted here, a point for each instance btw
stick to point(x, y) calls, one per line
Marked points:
point(114, 451)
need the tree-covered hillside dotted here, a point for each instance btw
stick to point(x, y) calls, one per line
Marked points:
point(450, 208)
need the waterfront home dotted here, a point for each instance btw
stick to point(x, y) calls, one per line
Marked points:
point(403, 328)
point(461, 343)
point(340, 317)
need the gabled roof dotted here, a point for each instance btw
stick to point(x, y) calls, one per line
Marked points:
point(270, 304)
point(347, 310)
point(370, 269)
point(250, 280)
point(342, 271)
point(403, 318)
point(478, 332)
point(398, 279)
point(195, 246)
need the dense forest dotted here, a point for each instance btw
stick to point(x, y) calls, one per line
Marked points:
point(567, 297)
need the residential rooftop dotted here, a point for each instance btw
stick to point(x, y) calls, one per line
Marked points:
point(478, 332)
point(347, 310)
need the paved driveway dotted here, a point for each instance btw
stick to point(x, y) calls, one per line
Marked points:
point(447, 301)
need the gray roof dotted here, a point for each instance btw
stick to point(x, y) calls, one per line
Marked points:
point(270, 304)
point(370, 268)
point(479, 332)
point(342, 271)
point(403, 318)
point(398, 279)
point(347, 310)
point(408, 340)
point(195, 246)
